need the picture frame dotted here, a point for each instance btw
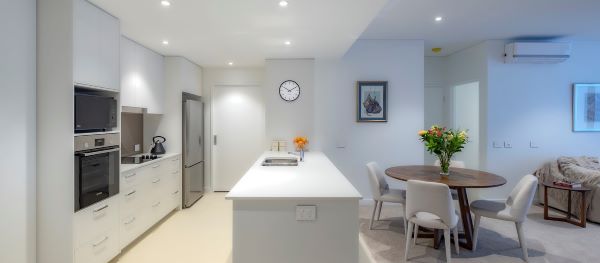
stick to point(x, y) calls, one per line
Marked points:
point(371, 101)
point(586, 107)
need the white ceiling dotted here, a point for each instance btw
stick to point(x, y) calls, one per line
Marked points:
point(214, 32)
point(468, 22)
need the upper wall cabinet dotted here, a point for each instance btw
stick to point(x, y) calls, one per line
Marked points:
point(142, 77)
point(96, 43)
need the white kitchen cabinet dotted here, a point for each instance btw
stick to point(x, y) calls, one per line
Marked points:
point(142, 77)
point(96, 45)
point(149, 194)
point(96, 237)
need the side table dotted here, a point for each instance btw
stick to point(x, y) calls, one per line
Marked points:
point(583, 207)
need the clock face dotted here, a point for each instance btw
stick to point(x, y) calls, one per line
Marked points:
point(289, 90)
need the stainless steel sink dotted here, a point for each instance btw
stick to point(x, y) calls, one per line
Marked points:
point(280, 161)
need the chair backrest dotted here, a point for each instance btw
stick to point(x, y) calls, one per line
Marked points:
point(376, 180)
point(453, 163)
point(521, 197)
point(432, 198)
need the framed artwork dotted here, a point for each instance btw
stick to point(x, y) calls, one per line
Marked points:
point(586, 107)
point(371, 101)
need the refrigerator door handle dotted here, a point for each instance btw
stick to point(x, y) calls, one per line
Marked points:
point(215, 139)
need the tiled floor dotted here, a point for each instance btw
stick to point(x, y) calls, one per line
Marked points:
point(199, 234)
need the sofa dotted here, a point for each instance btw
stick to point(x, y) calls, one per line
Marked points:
point(585, 169)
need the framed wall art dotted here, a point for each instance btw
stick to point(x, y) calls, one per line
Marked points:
point(586, 107)
point(371, 101)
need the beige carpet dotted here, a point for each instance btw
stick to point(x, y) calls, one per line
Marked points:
point(547, 241)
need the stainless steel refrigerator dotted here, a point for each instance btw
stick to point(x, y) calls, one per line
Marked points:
point(193, 149)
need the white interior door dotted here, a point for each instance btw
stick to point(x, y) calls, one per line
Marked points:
point(238, 127)
point(466, 116)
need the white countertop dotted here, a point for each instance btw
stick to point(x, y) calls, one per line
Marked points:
point(128, 167)
point(315, 177)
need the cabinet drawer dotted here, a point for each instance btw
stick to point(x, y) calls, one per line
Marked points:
point(99, 249)
point(132, 199)
point(132, 178)
point(131, 227)
point(175, 164)
point(95, 219)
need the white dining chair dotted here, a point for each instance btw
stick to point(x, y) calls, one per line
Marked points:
point(430, 205)
point(382, 192)
point(514, 209)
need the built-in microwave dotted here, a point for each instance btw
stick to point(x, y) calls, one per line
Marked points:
point(94, 113)
point(96, 168)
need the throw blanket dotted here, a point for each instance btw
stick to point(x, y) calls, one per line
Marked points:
point(584, 169)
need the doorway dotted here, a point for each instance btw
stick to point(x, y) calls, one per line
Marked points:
point(238, 133)
point(465, 113)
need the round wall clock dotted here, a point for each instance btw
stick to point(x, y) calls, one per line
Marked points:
point(289, 90)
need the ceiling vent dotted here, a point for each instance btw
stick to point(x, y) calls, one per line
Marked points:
point(537, 52)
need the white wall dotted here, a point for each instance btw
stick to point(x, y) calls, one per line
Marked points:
point(350, 145)
point(54, 131)
point(222, 77)
point(435, 97)
point(285, 120)
point(18, 116)
point(529, 102)
point(181, 75)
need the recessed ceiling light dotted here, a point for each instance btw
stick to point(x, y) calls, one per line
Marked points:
point(283, 3)
point(165, 42)
point(287, 43)
point(230, 63)
point(165, 3)
point(438, 19)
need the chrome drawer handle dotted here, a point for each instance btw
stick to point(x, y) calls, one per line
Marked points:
point(100, 242)
point(176, 172)
point(130, 221)
point(176, 192)
point(130, 175)
point(174, 160)
point(156, 166)
point(131, 193)
point(100, 209)
point(157, 204)
point(156, 181)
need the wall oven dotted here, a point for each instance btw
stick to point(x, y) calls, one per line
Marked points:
point(96, 168)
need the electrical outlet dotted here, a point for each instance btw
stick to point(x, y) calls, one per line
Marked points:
point(507, 144)
point(136, 147)
point(533, 145)
point(306, 212)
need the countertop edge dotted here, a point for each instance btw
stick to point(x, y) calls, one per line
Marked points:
point(128, 167)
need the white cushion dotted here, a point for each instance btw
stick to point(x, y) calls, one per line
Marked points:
point(429, 220)
point(492, 209)
point(394, 196)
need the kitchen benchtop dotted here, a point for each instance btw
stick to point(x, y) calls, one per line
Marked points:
point(315, 177)
point(129, 167)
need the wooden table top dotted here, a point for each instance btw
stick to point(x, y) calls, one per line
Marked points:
point(577, 189)
point(458, 178)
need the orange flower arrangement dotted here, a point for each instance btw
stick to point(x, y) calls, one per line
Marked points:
point(300, 142)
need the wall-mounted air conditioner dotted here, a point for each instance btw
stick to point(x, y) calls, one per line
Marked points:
point(536, 52)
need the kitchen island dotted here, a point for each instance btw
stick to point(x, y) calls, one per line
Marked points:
point(304, 213)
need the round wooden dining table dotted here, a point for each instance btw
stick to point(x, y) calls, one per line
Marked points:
point(459, 179)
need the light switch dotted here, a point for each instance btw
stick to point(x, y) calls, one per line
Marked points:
point(306, 212)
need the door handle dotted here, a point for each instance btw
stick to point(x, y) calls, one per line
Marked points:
point(200, 140)
point(215, 140)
